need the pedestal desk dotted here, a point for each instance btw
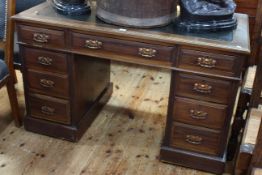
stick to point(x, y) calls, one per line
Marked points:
point(66, 70)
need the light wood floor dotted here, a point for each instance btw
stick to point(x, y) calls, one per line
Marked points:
point(123, 140)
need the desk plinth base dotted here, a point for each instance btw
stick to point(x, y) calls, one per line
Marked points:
point(70, 133)
point(193, 160)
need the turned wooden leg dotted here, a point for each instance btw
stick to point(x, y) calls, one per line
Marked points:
point(13, 102)
point(238, 124)
point(14, 78)
point(12, 73)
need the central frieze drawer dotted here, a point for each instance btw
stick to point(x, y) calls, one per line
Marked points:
point(49, 84)
point(41, 36)
point(203, 88)
point(214, 63)
point(199, 140)
point(45, 60)
point(49, 108)
point(120, 47)
point(199, 113)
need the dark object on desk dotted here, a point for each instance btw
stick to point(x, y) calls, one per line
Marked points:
point(72, 7)
point(137, 13)
point(22, 5)
point(207, 15)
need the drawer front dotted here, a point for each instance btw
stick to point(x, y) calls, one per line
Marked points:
point(202, 141)
point(41, 36)
point(45, 60)
point(49, 84)
point(210, 62)
point(48, 108)
point(199, 113)
point(115, 46)
point(203, 88)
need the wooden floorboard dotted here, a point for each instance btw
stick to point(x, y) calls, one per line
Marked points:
point(257, 171)
point(123, 140)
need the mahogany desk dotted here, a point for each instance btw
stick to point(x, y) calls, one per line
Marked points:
point(66, 68)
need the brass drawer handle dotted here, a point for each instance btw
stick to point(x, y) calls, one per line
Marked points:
point(93, 44)
point(195, 140)
point(47, 110)
point(206, 62)
point(198, 115)
point(47, 83)
point(40, 37)
point(202, 88)
point(146, 52)
point(46, 61)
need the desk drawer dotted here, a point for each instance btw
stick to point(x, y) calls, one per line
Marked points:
point(48, 108)
point(210, 62)
point(120, 47)
point(203, 88)
point(49, 84)
point(199, 113)
point(45, 60)
point(188, 138)
point(41, 36)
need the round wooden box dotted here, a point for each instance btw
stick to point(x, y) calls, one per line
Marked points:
point(137, 13)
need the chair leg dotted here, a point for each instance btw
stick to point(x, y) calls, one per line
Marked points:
point(13, 74)
point(238, 124)
point(15, 78)
point(13, 102)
